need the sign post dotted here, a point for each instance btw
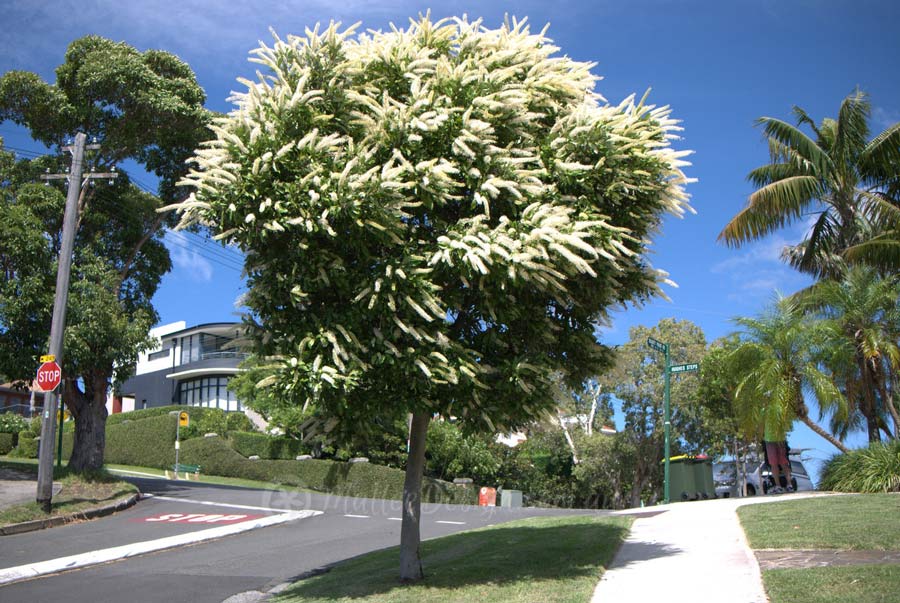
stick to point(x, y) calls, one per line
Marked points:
point(184, 420)
point(667, 412)
point(667, 408)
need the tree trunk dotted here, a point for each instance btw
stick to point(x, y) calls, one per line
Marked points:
point(90, 428)
point(812, 425)
point(568, 436)
point(410, 561)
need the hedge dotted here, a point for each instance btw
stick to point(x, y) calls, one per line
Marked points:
point(149, 442)
point(365, 480)
point(27, 447)
point(266, 447)
point(7, 442)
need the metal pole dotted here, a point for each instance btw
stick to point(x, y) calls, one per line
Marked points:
point(62, 414)
point(177, 441)
point(57, 327)
point(667, 409)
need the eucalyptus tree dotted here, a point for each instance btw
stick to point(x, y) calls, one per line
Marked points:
point(862, 317)
point(435, 218)
point(777, 366)
point(848, 181)
point(144, 106)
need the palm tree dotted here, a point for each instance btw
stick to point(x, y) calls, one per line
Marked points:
point(862, 316)
point(776, 366)
point(850, 183)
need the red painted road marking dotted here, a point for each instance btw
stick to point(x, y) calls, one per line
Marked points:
point(196, 518)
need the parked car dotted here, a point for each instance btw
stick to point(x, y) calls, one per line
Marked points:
point(759, 477)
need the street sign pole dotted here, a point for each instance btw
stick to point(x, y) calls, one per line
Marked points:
point(667, 411)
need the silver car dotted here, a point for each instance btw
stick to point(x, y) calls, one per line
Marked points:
point(759, 478)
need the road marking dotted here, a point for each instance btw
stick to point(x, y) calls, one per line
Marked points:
point(218, 504)
point(395, 518)
point(452, 523)
point(195, 518)
point(157, 475)
point(53, 566)
point(358, 516)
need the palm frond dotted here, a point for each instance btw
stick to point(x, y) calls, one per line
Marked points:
point(803, 118)
point(794, 138)
point(882, 252)
point(770, 208)
point(852, 127)
point(881, 157)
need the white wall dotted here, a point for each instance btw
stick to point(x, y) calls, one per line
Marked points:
point(144, 365)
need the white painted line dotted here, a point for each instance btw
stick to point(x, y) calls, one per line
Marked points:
point(358, 516)
point(395, 518)
point(135, 473)
point(218, 504)
point(32, 570)
point(452, 523)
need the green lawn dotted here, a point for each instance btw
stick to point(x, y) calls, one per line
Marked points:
point(78, 493)
point(861, 584)
point(856, 521)
point(533, 560)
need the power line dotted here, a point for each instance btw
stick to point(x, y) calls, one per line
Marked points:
point(207, 249)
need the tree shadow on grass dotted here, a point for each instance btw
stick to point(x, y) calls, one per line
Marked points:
point(516, 555)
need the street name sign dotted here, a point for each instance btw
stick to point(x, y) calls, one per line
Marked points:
point(683, 368)
point(656, 344)
point(48, 376)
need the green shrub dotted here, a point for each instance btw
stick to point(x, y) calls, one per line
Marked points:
point(10, 422)
point(238, 421)
point(249, 443)
point(7, 442)
point(265, 446)
point(27, 447)
point(216, 457)
point(872, 469)
point(202, 420)
point(148, 442)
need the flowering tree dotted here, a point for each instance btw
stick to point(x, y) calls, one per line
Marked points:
point(435, 219)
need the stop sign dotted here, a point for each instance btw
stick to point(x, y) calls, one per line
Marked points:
point(48, 376)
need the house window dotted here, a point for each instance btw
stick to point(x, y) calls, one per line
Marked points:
point(208, 392)
point(159, 355)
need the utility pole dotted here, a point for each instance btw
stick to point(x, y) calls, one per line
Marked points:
point(58, 326)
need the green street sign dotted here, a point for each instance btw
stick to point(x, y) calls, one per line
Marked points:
point(656, 344)
point(683, 368)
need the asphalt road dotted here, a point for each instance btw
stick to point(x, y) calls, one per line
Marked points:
point(213, 571)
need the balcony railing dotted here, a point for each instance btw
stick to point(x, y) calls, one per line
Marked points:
point(223, 354)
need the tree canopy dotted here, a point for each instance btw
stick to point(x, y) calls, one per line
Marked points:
point(436, 218)
point(141, 106)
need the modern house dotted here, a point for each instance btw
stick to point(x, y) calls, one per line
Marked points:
point(27, 401)
point(190, 366)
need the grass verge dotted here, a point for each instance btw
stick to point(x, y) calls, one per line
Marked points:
point(539, 559)
point(79, 492)
point(860, 584)
point(861, 522)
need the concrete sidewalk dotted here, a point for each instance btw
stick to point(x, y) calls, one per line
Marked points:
point(687, 552)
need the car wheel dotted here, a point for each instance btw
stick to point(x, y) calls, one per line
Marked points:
point(794, 483)
point(751, 490)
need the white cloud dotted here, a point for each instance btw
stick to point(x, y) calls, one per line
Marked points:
point(186, 259)
point(883, 118)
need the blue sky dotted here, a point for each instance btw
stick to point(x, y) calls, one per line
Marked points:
point(720, 65)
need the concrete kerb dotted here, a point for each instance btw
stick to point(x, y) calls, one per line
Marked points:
point(41, 524)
